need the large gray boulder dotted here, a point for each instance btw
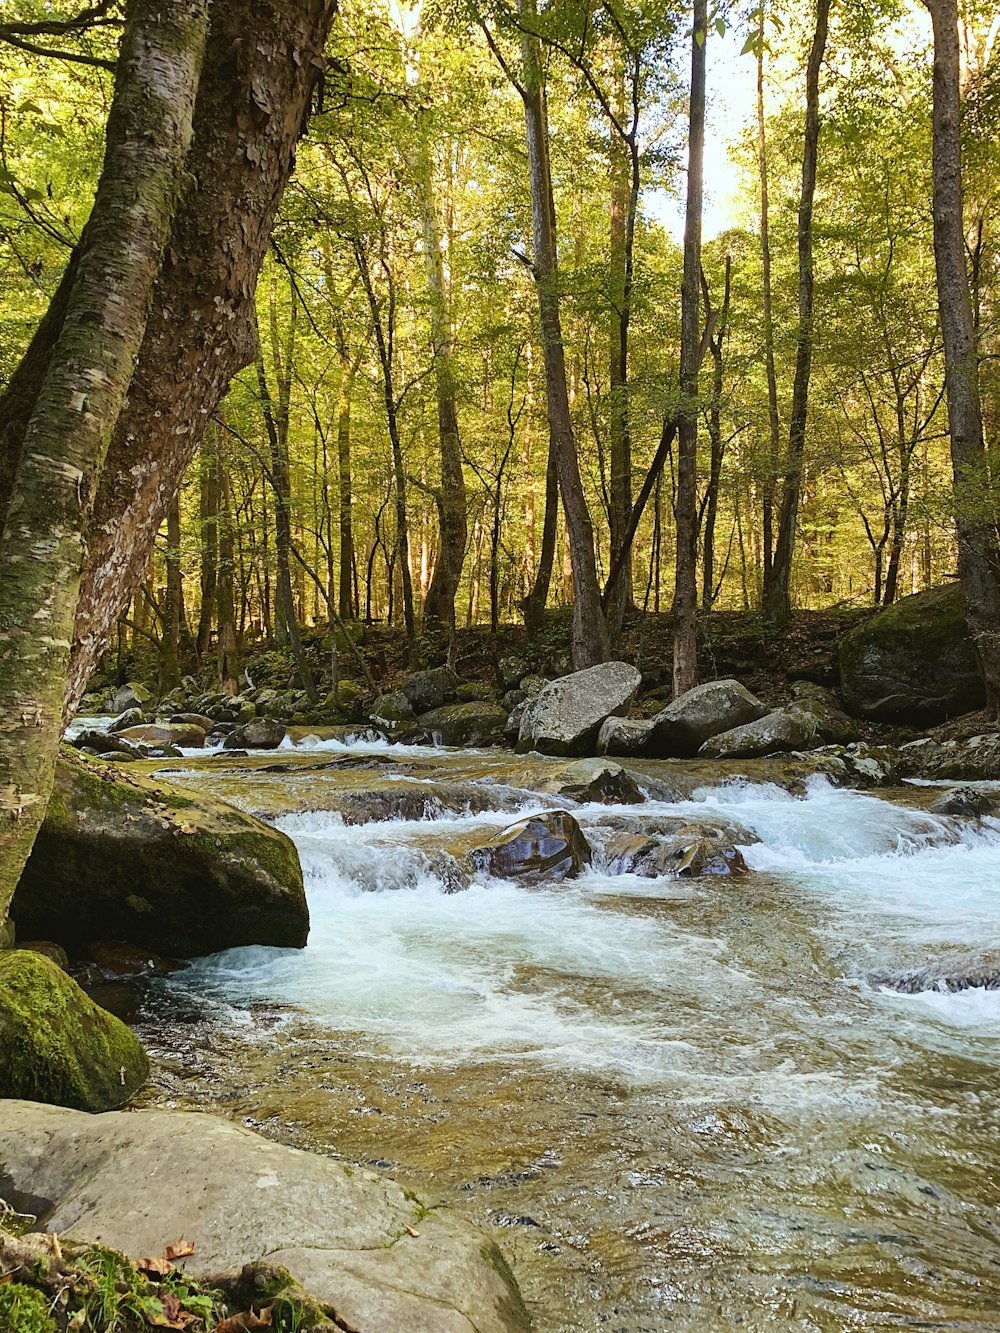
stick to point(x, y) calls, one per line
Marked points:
point(624, 735)
point(177, 872)
point(681, 729)
point(353, 1239)
point(784, 729)
point(565, 717)
point(474, 723)
point(430, 689)
point(912, 662)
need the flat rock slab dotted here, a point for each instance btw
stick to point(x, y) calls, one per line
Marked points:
point(565, 717)
point(137, 1181)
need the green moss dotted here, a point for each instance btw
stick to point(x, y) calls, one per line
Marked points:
point(56, 1045)
point(512, 1307)
point(24, 1310)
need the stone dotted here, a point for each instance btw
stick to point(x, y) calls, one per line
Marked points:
point(114, 960)
point(545, 847)
point(513, 728)
point(784, 729)
point(348, 694)
point(56, 1045)
point(55, 953)
point(833, 726)
point(207, 724)
point(624, 735)
point(426, 690)
point(352, 1238)
point(689, 852)
point(471, 724)
point(532, 685)
point(102, 742)
point(132, 717)
point(132, 695)
point(594, 781)
point(912, 662)
point(965, 801)
point(565, 717)
point(178, 734)
point(176, 872)
point(511, 669)
point(390, 708)
point(684, 725)
point(474, 691)
point(262, 733)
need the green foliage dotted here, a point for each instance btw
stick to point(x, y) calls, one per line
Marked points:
point(23, 1309)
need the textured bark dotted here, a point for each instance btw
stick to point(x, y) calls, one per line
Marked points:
point(346, 588)
point(229, 664)
point(590, 632)
point(173, 605)
point(79, 402)
point(686, 505)
point(978, 556)
point(778, 599)
point(773, 420)
point(718, 447)
point(252, 105)
point(208, 515)
point(534, 603)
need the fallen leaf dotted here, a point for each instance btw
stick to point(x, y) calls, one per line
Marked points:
point(173, 1316)
point(246, 1320)
point(413, 1231)
point(180, 1249)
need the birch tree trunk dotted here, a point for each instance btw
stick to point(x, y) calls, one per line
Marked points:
point(80, 400)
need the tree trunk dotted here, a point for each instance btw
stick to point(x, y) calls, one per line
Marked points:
point(718, 447)
point(778, 601)
point(80, 400)
point(173, 606)
point(686, 507)
point(229, 664)
point(346, 600)
point(978, 556)
point(590, 631)
point(534, 603)
point(252, 106)
point(208, 515)
point(773, 420)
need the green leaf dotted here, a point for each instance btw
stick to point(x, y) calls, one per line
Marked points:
point(720, 26)
point(699, 36)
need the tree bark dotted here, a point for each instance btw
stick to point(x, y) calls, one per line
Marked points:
point(773, 420)
point(534, 603)
point(590, 631)
point(686, 506)
point(208, 516)
point(173, 604)
point(346, 598)
point(80, 400)
point(718, 447)
point(978, 555)
point(229, 664)
point(778, 601)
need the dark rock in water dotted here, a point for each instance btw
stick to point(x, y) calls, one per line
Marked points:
point(565, 717)
point(548, 846)
point(594, 780)
point(116, 960)
point(425, 690)
point(120, 857)
point(940, 977)
point(425, 800)
point(965, 801)
point(673, 846)
point(166, 733)
point(194, 720)
point(121, 756)
point(784, 729)
point(132, 717)
point(624, 735)
point(56, 1045)
point(55, 953)
point(263, 733)
point(912, 662)
point(390, 708)
point(686, 724)
point(100, 742)
point(472, 724)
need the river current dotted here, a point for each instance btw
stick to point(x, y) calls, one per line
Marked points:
point(685, 1104)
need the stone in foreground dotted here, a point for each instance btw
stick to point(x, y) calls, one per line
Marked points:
point(56, 1045)
point(181, 874)
point(687, 723)
point(547, 846)
point(565, 717)
point(354, 1240)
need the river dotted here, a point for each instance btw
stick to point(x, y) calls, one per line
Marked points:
point(683, 1103)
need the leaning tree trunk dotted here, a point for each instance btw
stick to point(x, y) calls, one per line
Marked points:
point(686, 505)
point(778, 602)
point(978, 556)
point(80, 400)
point(534, 604)
point(208, 518)
point(253, 102)
point(590, 631)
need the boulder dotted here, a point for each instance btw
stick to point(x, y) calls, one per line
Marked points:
point(352, 1238)
point(193, 720)
point(784, 729)
point(55, 953)
point(692, 850)
point(833, 726)
point(262, 733)
point(132, 717)
point(179, 734)
point(390, 708)
point(511, 669)
point(132, 695)
point(179, 873)
point(624, 735)
point(684, 725)
point(544, 847)
point(466, 724)
point(912, 662)
point(56, 1045)
point(969, 802)
point(566, 714)
point(102, 742)
point(594, 781)
point(425, 690)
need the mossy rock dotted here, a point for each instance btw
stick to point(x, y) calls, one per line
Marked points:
point(56, 1045)
point(181, 873)
point(912, 662)
point(475, 723)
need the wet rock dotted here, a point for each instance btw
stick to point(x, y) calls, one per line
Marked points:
point(121, 857)
point(685, 724)
point(116, 960)
point(426, 690)
point(263, 733)
point(56, 1045)
point(55, 953)
point(965, 801)
point(177, 734)
point(624, 735)
point(132, 695)
point(912, 662)
point(351, 1237)
point(784, 729)
point(547, 846)
point(101, 742)
point(391, 708)
point(425, 800)
point(132, 717)
point(465, 724)
point(207, 724)
point(565, 717)
point(947, 977)
point(692, 850)
point(594, 780)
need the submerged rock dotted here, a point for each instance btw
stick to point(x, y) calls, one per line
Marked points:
point(182, 874)
point(914, 661)
point(352, 1238)
point(424, 800)
point(566, 715)
point(599, 780)
point(685, 724)
point(475, 723)
point(56, 1045)
point(262, 733)
point(965, 801)
point(547, 846)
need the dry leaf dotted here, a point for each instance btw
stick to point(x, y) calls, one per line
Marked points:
point(180, 1249)
point(173, 1315)
point(247, 1320)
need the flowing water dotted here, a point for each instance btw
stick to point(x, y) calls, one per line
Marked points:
point(684, 1103)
